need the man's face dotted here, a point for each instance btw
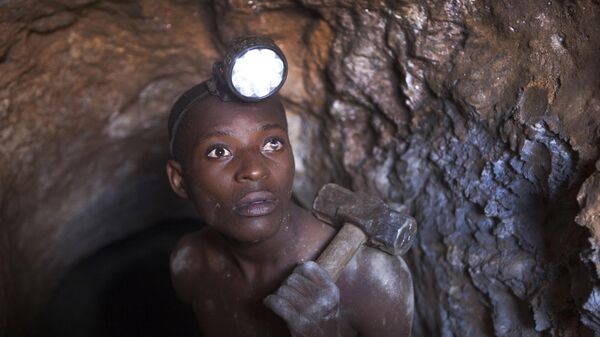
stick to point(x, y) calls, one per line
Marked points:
point(240, 168)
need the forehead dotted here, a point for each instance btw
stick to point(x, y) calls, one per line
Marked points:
point(211, 113)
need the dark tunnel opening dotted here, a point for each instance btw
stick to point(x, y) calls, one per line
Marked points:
point(124, 289)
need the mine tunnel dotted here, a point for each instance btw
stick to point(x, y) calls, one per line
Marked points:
point(479, 118)
point(124, 289)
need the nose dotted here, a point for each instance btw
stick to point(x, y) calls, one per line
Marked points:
point(251, 167)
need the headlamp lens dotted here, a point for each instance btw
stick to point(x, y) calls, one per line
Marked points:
point(257, 73)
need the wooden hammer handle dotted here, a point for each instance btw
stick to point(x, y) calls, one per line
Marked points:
point(341, 250)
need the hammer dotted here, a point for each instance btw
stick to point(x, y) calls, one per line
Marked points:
point(363, 217)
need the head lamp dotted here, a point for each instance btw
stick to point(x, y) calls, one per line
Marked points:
point(253, 69)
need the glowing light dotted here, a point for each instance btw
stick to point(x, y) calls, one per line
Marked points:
point(257, 73)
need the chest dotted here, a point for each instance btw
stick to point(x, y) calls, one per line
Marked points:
point(233, 309)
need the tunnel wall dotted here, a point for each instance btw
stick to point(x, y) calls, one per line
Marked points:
point(480, 118)
point(85, 87)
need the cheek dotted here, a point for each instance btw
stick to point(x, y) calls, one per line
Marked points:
point(207, 190)
point(285, 172)
point(207, 204)
point(292, 170)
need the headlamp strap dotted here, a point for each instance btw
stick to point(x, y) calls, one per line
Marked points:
point(216, 85)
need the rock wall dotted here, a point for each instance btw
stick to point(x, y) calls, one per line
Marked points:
point(481, 118)
point(84, 90)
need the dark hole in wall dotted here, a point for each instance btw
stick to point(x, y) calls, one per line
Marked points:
point(123, 290)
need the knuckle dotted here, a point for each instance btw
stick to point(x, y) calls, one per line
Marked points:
point(294, 279)
point(333, 291)
point(306, 266)
point(311, 264)
point(282, 291)
point(290, 293)
point(311, 268)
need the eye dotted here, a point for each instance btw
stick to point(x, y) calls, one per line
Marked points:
point(272, 144)
point(218, 151)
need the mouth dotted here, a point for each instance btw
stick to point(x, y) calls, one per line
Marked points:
point(255, 204)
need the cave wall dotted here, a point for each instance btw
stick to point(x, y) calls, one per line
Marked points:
point(85, 87)
point(480, 118)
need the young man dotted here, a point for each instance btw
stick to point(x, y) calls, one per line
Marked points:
point(249, 272)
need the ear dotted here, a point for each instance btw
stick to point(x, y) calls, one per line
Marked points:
point(174, 173)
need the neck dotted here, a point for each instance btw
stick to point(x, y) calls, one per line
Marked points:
point(276, 253)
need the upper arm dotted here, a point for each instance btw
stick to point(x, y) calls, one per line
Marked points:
point(183, 265)
point(381, 297)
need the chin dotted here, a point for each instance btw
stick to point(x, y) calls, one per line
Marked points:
point(256, 230)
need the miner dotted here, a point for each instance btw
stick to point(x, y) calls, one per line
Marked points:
point(250, 271)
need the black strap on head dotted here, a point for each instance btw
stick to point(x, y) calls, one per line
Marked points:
point(181, 106)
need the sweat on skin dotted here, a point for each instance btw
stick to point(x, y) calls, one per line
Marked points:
point(245, 272)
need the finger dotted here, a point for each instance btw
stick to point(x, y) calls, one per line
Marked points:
point(322, 302)
point(314, 272)
point(297, 300)
point(281, 307)
point(297, 323)
point(302, 284)
point(328, 290)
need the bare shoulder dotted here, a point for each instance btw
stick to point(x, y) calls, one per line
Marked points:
point(382, 271)
point(377, 289)
point(189, 259)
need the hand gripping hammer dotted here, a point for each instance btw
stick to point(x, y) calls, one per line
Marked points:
point(364, 218)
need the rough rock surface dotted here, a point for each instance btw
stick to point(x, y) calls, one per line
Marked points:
point(84, 90)
point(589, 200)
point(481, 118)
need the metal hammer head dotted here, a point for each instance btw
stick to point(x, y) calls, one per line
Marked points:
point(386, 228)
